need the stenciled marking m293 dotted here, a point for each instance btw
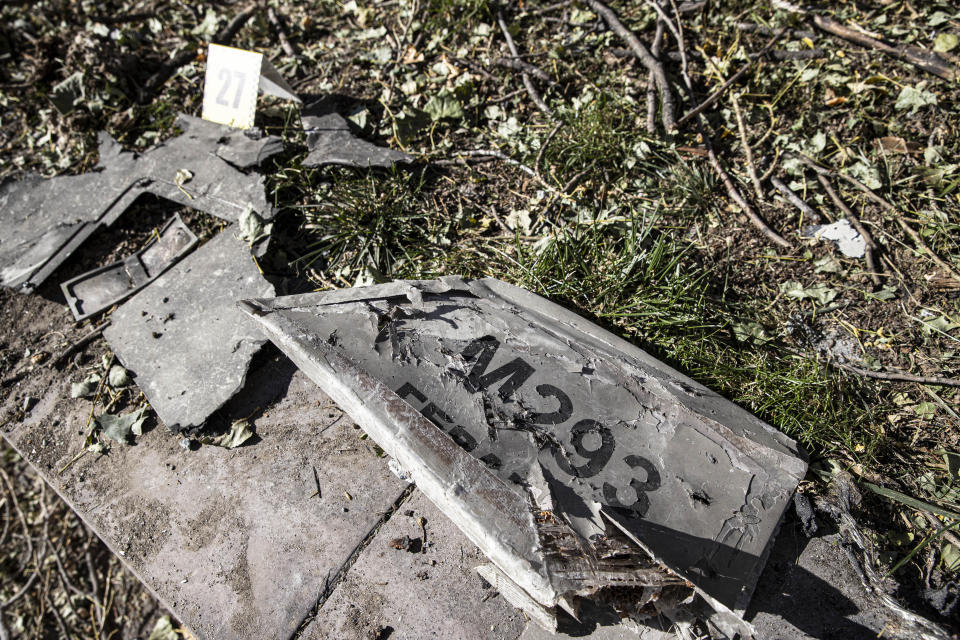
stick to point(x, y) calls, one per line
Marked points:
point(511, 377)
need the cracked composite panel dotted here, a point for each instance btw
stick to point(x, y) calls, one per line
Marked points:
point(183, 339)
point(330, 141)
point(580, 465)
point(45, 220)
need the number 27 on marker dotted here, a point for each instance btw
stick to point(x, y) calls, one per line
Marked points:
point(229, 94)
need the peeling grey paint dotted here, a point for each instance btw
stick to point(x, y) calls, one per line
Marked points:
point(580, 465)
point(45, 220)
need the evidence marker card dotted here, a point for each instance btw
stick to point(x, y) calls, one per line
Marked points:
point(232, 80)
point(230, 86)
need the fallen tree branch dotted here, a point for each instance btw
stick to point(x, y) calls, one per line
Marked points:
point(531, 90)
point(871, 246)
point(923, 59)
point(795, 200)
point(667, 101)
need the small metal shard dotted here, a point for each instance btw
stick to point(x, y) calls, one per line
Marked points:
point(330, 141)
point(45, 220)
point(183, 339)
point(101, 288)
point(271, 82)
point(580, 465)
point(848, 240)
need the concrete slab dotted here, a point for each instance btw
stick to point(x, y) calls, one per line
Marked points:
point(430, 592)
point(229, 540)
point(183, 339)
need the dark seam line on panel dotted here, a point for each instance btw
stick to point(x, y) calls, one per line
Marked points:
point(330, 584)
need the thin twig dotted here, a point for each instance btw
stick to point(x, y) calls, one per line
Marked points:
point(871, 246)
point(499, 155)
point(82, 342)
point(719, 91)
point(795, 200)
point(281, 33)
point(732, 190)
point(667, 101)
point(522, 65)
point(751, 166)
point(527, 83)
point(921, 58)
point(871, 195)
point(757, 221)
point(651, 79)
point(544, 145)
point(900, 376)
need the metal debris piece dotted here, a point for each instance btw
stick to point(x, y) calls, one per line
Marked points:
point(271, 82)
point(848, 240)
point(330, 141)
point(580, 465)
point(100, 289)
point(45, 220)
point(183, 339)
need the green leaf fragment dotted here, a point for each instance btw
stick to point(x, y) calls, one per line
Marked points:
point(86, 388)
point(240, 432)
point(118, 377)
point(121, 427)
point(252, 227)
point(163, 630)
point(945, 42)
point(913, 98)
point(821, 293)
point(69, 94)
point(443, 106)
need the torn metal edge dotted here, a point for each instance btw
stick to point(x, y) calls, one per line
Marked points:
point(489, 514)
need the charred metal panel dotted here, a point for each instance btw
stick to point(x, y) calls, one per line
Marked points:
point(578, 463)
point(183, 339)
point(330, 141)
point(100, 289)
point(45, 220)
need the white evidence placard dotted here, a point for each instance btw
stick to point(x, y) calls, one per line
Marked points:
point(230, 86)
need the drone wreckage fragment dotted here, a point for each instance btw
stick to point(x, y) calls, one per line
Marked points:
point(580, 465)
